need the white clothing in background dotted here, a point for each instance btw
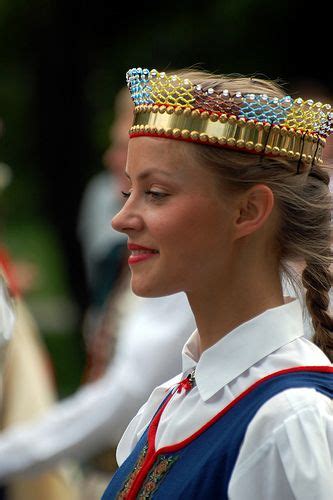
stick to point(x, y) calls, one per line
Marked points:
point(150, 338)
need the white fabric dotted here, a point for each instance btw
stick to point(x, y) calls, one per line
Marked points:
point(7, 317)
point(287, 452)
point(150, 339)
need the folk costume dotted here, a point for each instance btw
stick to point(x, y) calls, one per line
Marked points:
point(243, 420)
point(197, 426)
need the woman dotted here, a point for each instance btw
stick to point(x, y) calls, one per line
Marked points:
point(227, 186)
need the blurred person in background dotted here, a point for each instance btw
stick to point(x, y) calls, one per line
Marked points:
point(26, 379)
point(7, 319)
point(103, 249)
point(134, 344)
point(7, 313)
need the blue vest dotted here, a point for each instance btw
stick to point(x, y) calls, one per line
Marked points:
point(200, 467)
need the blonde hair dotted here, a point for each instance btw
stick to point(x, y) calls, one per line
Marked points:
point(303, 200)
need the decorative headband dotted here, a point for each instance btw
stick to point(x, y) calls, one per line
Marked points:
point(172, 107)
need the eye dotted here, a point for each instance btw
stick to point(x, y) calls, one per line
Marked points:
point(125, 195)
point(156, 194)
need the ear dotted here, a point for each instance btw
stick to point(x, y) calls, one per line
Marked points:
point(254, 208)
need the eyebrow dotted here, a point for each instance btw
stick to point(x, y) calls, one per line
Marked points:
point(150, 171)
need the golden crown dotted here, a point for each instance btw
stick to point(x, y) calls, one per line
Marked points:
point(174, 107)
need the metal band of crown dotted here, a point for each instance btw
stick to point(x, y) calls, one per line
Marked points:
point(172, 107)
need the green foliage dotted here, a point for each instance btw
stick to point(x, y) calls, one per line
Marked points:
point(36, 242)
point(68, 360)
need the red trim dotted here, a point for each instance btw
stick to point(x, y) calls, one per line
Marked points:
point(183, 443)
point(153, 426)
point(7, 266)
point(152, 453)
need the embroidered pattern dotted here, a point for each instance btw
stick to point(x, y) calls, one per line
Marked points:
point(122, 495)
point(155, 476)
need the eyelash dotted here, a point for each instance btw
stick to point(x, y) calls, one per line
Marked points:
point(155, 194)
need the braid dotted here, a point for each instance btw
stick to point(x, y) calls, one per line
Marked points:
point(317, 302)
point(317, 279)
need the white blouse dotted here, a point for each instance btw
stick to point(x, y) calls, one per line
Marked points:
point(287, 451)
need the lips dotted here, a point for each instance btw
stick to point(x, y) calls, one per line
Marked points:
point(132, 246)
point(140, 253)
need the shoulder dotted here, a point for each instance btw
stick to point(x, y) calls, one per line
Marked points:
point(291, 436)
point(289, 420)
point(289, 404)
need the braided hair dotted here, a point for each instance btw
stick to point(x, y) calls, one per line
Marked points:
point(317, 276)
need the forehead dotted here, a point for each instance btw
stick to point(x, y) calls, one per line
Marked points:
point(163, 155)
point(174, 163)
point(156, 147)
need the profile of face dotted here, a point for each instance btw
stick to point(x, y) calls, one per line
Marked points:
point(176, 210)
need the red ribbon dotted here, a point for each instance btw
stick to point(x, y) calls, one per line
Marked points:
point(185, 384)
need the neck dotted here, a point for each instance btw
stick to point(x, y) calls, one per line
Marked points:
point(221, 308)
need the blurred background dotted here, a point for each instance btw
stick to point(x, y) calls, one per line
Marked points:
point(61, 65)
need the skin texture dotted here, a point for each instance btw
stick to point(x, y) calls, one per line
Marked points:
point(215, 245)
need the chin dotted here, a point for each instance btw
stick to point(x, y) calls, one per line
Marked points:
point(149, 291)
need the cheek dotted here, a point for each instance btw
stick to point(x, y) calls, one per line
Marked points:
point(193, 229)
point(172, 224)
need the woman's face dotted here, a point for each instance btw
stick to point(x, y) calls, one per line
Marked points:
point(176, 209)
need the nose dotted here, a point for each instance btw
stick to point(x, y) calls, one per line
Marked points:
point(127, 220)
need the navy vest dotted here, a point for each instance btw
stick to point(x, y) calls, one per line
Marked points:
point(200, 467)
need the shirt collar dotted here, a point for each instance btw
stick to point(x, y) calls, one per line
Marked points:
point(230, 356)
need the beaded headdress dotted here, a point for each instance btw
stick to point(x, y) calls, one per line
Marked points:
point(173, 107)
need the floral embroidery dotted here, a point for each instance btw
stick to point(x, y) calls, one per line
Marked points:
point(155, 476)
point(122, 495)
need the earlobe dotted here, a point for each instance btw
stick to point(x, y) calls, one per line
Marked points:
point(254, 209)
